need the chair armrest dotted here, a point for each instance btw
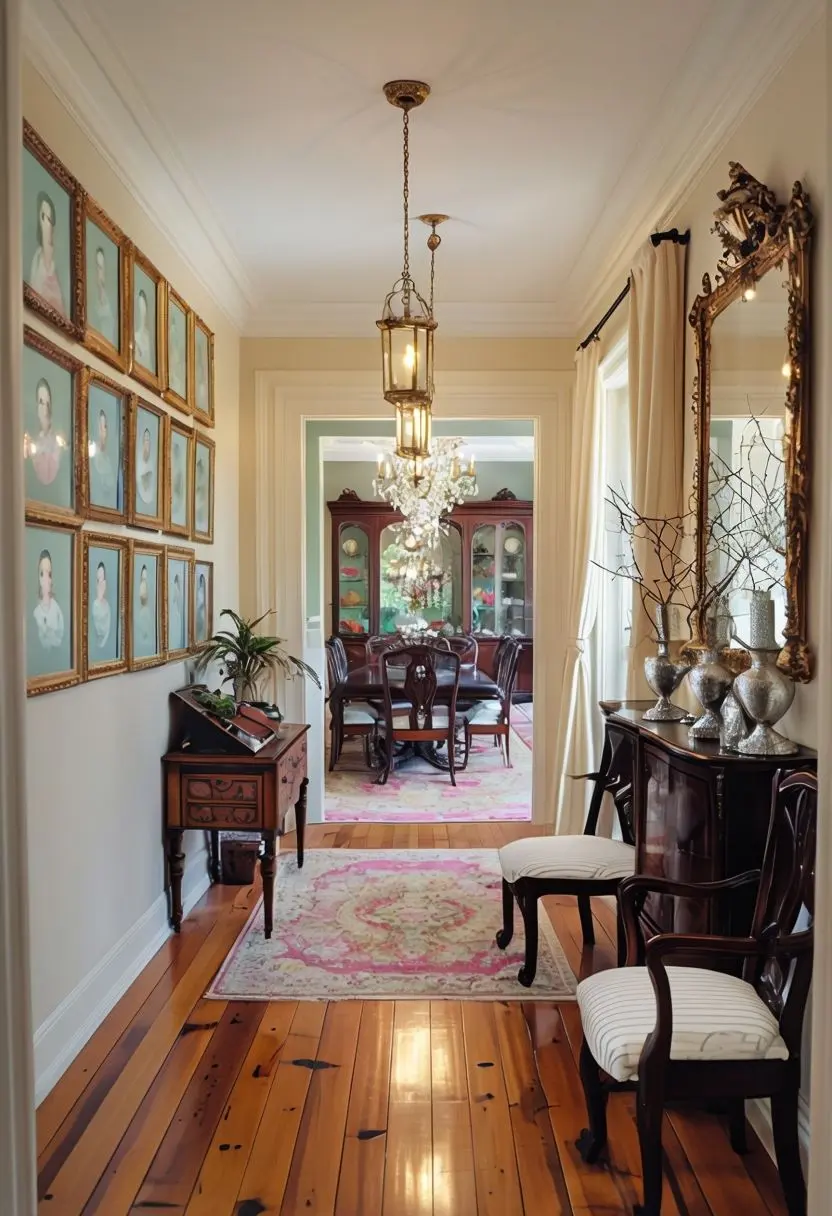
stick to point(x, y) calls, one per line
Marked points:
point(643, 884)
point(584, 776)
point(701, 943)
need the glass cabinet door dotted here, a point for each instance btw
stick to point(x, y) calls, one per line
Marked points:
point(500, 593)
point(420, 584)
point(353, 579)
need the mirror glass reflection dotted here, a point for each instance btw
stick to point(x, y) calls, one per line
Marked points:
point(746, 492)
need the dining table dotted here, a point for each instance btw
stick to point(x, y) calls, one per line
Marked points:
point(366, 683)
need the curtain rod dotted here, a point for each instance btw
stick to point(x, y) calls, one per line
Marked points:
point(678, 238)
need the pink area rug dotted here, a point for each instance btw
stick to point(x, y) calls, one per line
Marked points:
point(523, 722)
point(389, 924)
point(417, 793)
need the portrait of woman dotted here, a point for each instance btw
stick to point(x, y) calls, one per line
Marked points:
point(104, 628)
point(203, 373)
point(181, 438)
point(147, 504)
point(146, 365)
point(203, 600)
point(142, 336)
point(177, 349)
point(51, 254)
point(146, 623)
point(203, 489)
point(101, 616)
point(105, 407)
point(178, 592)
point(48, 409)
point(50, 600)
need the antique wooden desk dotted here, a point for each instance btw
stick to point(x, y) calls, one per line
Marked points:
point(213, 782)
point(699, 814)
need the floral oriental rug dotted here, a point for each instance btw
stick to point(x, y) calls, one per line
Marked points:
point(357, 924)
point(418, 793)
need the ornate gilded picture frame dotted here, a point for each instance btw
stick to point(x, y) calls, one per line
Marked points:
point(758, 236)
point(52, 238)
point(53, 432)
point(105, 411)
point(179, 466)
point(148, 291)
point(202, 603)
point(104, 602)
point(146, 605)
point(52, 570)
point(179, 352)
point(108, 296)
point(203, 365)
point(178, 618)
point(147, 451)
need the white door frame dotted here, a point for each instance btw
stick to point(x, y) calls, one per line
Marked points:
point(285, 401)
point(18, 1195)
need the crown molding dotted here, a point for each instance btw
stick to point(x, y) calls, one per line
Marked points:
point(711, 97)
point(305, 320)
point(69, 51)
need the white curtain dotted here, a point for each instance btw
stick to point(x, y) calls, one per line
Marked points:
point(656, 353)
point(573, 738)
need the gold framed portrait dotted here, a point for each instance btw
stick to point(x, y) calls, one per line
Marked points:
point(146, 605)
point(202, 601)
point(203, 364)
point(107, 283)
point(202, 514)
point(52, 564)
point(179, 466)
point(146, 465)
point(147, 321)
point(52, 238)
point(104, 604)
point(51, 385)
point(179, 581)
point(105, 413)
point(179, 352)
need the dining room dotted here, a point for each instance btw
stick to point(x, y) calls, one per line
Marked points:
point(428, 590)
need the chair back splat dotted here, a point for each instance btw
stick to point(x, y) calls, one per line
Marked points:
point(412, 673)
point(784, 911)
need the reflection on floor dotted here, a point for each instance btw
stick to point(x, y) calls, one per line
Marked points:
point(418, 793)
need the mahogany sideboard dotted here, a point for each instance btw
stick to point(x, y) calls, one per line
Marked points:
point(699, 814)
point(212, 785)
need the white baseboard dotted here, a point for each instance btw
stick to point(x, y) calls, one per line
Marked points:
point(758, 1113)
point(59, 1039)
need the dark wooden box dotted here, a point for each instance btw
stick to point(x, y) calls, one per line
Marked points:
point(238, 858)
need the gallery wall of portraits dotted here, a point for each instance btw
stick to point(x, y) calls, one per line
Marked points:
point(129, 452)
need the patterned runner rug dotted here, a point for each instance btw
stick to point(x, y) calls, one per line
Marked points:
point(389, 924)
point(417, 793)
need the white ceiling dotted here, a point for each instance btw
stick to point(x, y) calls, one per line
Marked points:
point(484, 448)
point(557, 135)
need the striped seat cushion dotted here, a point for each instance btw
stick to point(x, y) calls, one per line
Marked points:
point(486, 713)
point(591, 858)
point(439, 721)
point(715, 1017)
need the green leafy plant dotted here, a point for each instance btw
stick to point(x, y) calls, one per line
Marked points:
point(220, 704)
point(245, 656)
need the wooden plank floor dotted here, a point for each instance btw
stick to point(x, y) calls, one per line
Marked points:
point(190, 1107)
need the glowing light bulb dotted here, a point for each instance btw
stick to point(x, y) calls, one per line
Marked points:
point(409, 358)
point(749, 293)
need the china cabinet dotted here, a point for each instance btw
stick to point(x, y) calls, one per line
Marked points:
point(477, 579)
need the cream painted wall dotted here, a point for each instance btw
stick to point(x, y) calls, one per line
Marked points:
point(95, 814)
point(781, 140)
point(362, 355)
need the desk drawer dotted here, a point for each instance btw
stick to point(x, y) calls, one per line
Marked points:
point(292, 772)
point(209, 801)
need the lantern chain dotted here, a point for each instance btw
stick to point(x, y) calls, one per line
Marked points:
point(406, 193)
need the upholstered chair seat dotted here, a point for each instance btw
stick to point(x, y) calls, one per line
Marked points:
point(716, 1016)
point(580, 858)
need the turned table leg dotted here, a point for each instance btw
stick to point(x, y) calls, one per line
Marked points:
point(267, 874)
point(176, 868)
point(300, 818)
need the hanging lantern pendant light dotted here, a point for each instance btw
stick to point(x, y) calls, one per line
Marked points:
point(407, 321)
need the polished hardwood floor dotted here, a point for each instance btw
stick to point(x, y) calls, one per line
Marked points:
point(179, 1105)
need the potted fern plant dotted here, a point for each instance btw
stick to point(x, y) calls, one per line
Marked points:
point(245, 656)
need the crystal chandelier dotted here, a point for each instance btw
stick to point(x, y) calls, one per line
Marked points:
point(426, 490)
point(407, 322)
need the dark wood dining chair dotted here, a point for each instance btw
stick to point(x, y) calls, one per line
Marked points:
point(493, 717)
point(584, 865)
point(466, 646)
point(676, 1033)
point(411, 713)
point(347, 718)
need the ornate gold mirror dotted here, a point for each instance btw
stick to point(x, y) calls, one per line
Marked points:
point(751, 404)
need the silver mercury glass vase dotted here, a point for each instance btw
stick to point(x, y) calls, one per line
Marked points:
point(711, 682)
point(663, 675)
point(734, 725)
point(763, 691)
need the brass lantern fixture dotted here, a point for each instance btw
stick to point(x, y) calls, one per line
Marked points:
point(407, 323)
